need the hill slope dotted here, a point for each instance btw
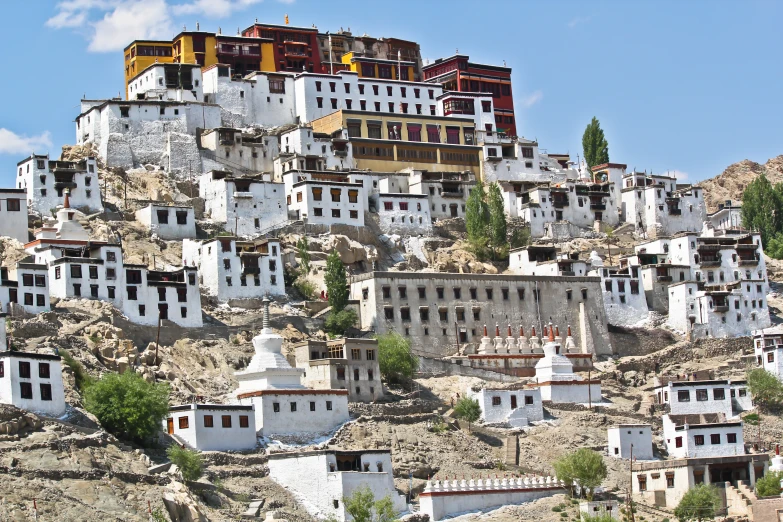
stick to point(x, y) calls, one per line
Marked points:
point(732, 182)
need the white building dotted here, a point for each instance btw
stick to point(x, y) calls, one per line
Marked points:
point(557, 381)
point(325, 199)
point(31, 381)
point(239, 151)
point(213, 427)
point(624, 301)
point(516, 408)
point(704, 435)
point(130, 134)
point(728, 217)
point(658, 206)
point(29, 291)
point(168, 82)
point(168, 221)
point(475, 105)
point(321, 480)
point(88, 269)
point(599, 508)
point(726, 397)
point(448, 192)
point(628, 441)
point(545, 260)
point(233, 270)
point(47, 181)
point(518, 160)
point(404, 214)
point(585, 205)
point(247, 206)
point(303, 149)
point(13, 214)
point(442, 498)
point(283, 406)
point(768, 348)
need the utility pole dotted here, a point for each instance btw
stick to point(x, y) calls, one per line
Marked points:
point(589, 388)
point(630, 490)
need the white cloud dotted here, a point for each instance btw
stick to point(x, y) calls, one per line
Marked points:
point(131, 20)
point(73, 13)
point(12, 143)
point(579, 20)
point(212, 8)
point(532, 99)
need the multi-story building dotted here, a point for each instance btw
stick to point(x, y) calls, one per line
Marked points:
point(13, 214)
point(29, 292)
point(625, 301)
point(445, 313)
point(658, 206)
point(232, 150)
point(168, 221)
point(521, 162)
point(403, 214)
point(47, 181)
point(516, 408)
point(458, 73)
point(609, 173)
point(768, 348)
point(80, 268)
point(306, 194)
point(585, 205)
point(448, 192)
point(370, 67)
point(247, 206)
point(140, 54)
point(702, 435)
point(389, 142)
point(728, 398)
point(295, 49)
point(327, 365)
point(244, 54)
point(236, 271)
point(545, 260)
point(728, 217)
point(303, 149)
point(168, 82)
point(333, 46)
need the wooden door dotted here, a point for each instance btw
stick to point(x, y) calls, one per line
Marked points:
point(170, 425)
point(513, 402)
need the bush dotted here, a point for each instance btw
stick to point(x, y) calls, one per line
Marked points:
point(583, 466)
point(769, 484)
point(127, 405)
point(83, 381)
point(395, 358)
point(339, 322)
point(363, 507)
point(187, 460)
point(699, 503)
point(305, 287)
point(467, 409)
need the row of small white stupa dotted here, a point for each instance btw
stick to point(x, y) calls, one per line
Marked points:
point(522, 344)
point(490, 483)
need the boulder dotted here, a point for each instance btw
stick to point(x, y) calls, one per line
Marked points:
point(350, 251)
point(182, 507)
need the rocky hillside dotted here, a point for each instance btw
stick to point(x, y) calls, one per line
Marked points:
point(732, 182)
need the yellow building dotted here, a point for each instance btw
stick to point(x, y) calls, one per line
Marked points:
point(377, 68)
point(140, 54)
point(389, 142)
point(243, 54)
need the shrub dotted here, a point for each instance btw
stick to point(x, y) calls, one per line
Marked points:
point(699, 503)
point(83, 380)
point(187, 460)
point(557, 509)
point(583, 466)
point(127, 405)
point(363, 507)
point(395, 359)
point(157, 515)
point(467, 409)
point(337, 323)
point(769, 484)
point(305, 287)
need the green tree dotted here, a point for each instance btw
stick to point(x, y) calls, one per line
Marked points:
point(699, 503)
point(363, 507)
point(584, 467)
point(609, 241)
point(762, 208)
point(477, 215)
point(337, 323)
point(497, 221)
point(395, 358)
point(187, 460)
point(336, 282)
point(765, 388)
point(302, 250)
point(467, 409)
point(594, 145)
point(769, 484)
point(520, 237)
point(127, 405)
point(774, 248)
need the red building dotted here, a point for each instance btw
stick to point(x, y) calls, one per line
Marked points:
point(296, 48)
point(457, 73)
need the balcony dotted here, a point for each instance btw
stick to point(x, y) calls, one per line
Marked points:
point(703, 247)
point(457, 194)
point(710, 262)
point(64, 185)
point(748, 262)
point(295, 52)
point(243, 195)
point(251, 270)
point(597, 206)
point(341, 153)
point(494, 158)
point(560, 203)
point(663, 279)
point(567, 273)
point(675, 211)
point(721, 308)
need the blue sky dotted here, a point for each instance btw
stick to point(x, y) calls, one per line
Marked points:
point(689, 86)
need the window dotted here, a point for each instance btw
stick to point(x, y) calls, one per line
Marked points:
point(698, 440)
point(26, 390)
point(718, 394)
point(528, 399)
point(40, 300)
point(46, 391)
point(76, 271)
point(142, 310)
point(715, 438)
point(701, 395)
point(771, 357)
point(28, 299)
point(276, 407)
point(370, 355)
point(328, 405)
point(57, 273)
point(183, 423)
point(93, 272)
point(496, 401)
point(208, 422)
point(670, 480)
point(320, 102)
point(132, 293)
point(489, 293)
point(13, 205)
point(439, 291)
point(225, 421)
point(111, 273)
point(244, 421)
point(452, 135)
point(433, 135)
point(24, 370)
point(334, 103)
point(743, 392)
point(642, 482)
point(731, 438)
point(683, 396)
point(414, 132)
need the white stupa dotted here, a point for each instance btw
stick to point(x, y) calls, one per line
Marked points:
point(557, 380)
point(777, 460)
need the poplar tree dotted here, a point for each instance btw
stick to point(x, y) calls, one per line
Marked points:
point(762, 208)
point(336, 282)
point(477, 215)
point(497, 218)
point(594, 145)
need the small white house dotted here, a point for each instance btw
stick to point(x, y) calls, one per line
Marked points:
point(630, 440)
point(599, 508)
point(213, 427)
point(29, 291)
point(168, 222)
point(516, 408)
point(322, 479)
point(31, 381)
point(726, 397)
point(728, 217)
point(706, 435)
point(13, 214)
point(325, 198)
point(768, 347)
point(404, 214)
point(47, 181)
point(168, 82)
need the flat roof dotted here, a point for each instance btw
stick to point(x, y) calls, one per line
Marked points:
point(455, 275)
point(292, 455)
point(216, 407)
point(29, 355)
point(700, 461)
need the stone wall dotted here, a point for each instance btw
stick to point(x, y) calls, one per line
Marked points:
point(686, 352)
